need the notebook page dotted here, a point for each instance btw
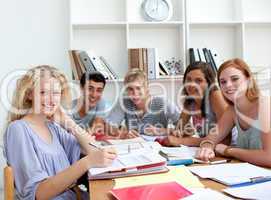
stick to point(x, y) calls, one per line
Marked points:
point(229, 171)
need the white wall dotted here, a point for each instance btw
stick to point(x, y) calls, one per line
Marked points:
point(32, 32)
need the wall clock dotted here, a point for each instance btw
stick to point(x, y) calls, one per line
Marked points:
point(157, 10)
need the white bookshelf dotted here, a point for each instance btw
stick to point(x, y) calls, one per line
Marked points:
point(230, 28)
point(110, 27)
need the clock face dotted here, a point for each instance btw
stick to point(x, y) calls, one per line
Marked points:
point(156, 10)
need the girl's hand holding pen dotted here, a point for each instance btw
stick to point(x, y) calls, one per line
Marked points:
point(101, 157)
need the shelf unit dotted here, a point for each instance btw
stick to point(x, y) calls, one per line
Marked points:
point(230, 28)
point(111, 27)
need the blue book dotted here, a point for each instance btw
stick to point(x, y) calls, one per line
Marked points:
point(177, 155)
point(180, 162)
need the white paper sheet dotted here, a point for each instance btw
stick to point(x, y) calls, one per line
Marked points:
point(232, 173)
point(206, 194)
point(260, 191)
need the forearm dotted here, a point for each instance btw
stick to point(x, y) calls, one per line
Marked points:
point(215, 136)
point(191, 141)
point(257, 157)
point(55, 185)
point(82, 136)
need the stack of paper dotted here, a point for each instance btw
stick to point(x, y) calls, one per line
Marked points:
point(260, 191)
point(231, 174)
point(179, 174)
point(179, 155)
point(206, 193)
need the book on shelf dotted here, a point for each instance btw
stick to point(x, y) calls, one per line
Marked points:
point(83, 61)
point(86, 61)
point(163, 70)
point(146, 59)
point(80, 63)
point(103, 60)
point(132, 159)
point(191, 55)
point(99, 65)
point(159, 191)
point(73, 66)
point(204, 55)
point(214, 60)
point(198, 53)
point(76, 65)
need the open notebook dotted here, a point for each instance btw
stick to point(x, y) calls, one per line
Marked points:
point(231, 174)
point(132, 159)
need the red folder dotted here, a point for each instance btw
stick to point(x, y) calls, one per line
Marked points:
point(162, 191)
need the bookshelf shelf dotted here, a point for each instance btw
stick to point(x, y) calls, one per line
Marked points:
point(230, 28)
point(110, 27)
point(98, 25)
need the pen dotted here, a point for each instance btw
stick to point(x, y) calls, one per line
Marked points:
point(254, 180)
point(219, 162)
point(211, 162)
point(260, 179)
point(95, 145)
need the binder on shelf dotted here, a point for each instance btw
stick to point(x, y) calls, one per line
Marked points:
point(135, 58)
point(81, 64)
point(212, 60)
point(207, 57)
point(108, 66)
point(146, 59)
point(202, 56)
point(76, 65)
point(98, 65)
point(86, 61)
point(191, 55)
point(82, 61)
point(73, 66)
point(160, 191)
point(198, 53)
point(152, 63)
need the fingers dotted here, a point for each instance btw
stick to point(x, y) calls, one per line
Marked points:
point(176, 133)
point(205, 154)
point(148, 131)
point(135, 133)
point(110, 150)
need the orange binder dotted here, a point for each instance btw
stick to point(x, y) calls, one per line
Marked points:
point(162, 191)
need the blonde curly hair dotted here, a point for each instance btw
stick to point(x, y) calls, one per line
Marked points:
point(21, 104)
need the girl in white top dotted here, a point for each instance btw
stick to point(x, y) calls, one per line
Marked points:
point(248, 110)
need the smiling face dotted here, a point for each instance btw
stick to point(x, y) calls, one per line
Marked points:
point(137, 92)
point(46, 96)
point(195, 83)
point(233, 83)
point(92, 92)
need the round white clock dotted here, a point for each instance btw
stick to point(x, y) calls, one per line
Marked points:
point(157, 10)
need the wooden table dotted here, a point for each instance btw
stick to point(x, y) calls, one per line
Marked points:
point(99, 188)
